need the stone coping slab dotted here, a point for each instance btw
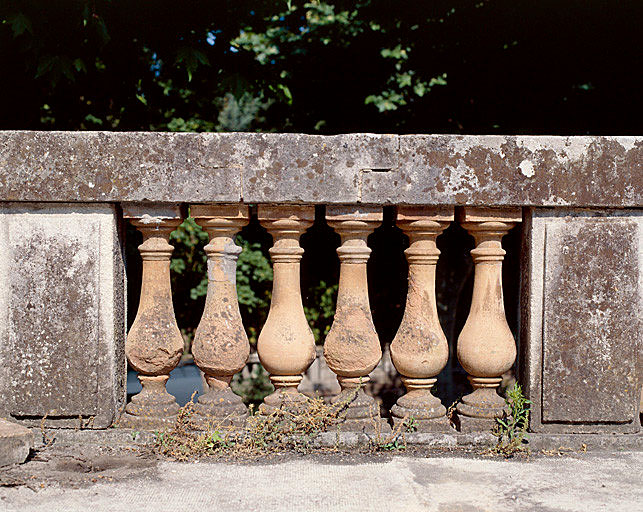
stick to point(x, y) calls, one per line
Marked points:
point(583, 171)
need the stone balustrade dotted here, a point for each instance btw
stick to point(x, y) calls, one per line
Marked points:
point(576, 203)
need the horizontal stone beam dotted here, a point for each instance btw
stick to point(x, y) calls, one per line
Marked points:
point(297, 168)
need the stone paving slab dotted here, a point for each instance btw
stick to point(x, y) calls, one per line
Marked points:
point(606, 482)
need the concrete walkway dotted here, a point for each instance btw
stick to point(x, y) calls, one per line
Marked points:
point(583, 483)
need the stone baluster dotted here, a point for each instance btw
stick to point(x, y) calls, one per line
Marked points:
point(352, 348)
point(286, 344)
point(220, 346)
point(420, 350)
point(154, 344)
point(486, 347)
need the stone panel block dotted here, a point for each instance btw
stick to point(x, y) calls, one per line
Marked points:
point(63, 316)
point(583, 319)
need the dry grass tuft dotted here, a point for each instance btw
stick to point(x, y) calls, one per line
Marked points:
point(261, 435)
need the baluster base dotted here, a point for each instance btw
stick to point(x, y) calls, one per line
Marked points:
point(152, 408)
point(220, 407)
point(478, 410)
point(357, 411)
point(420, 411)
point(286, 397)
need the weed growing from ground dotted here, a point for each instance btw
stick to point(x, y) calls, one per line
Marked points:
point(394, 444)
point(511, 429)
point(263, 435)
point(410, 424)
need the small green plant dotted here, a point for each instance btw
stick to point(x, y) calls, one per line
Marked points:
point(135, 435)
point(511, 429)
point(392, 445)
point(215, 440)
point(410, 424)
point(396, 440)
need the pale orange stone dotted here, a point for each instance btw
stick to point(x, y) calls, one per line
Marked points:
point(486, 347)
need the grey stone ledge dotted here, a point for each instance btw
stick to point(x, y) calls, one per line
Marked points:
point(340, 169)
point(563, 443)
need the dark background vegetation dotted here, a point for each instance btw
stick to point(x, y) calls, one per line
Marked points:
point(458, 66)
point(505, 66)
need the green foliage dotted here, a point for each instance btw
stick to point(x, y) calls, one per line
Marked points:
point(411, 424)
point(512, 429)
point(213, 440)
point(253, 389)
point(393, 445)
point(318, 66)
point(254, 285)
point(189, 259)
point(238, 114)
point(320, 315)
point(190, 58)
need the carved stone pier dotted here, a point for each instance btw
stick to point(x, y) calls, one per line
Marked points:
point(286, 344)
point(154, 344)
point(221, 346)
point(486, 347)
point(419, 350)
point(352, 347)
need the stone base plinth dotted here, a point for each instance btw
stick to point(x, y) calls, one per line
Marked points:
point(288, 399)
point(16, 442)
point(375, 425)
point(219, 408)
point(470, 424)
point(145, 422)
point(437, 425)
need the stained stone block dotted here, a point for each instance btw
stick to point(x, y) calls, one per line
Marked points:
point(63, 314)
point(583, 319)
point(484, 170)
point(296, 168)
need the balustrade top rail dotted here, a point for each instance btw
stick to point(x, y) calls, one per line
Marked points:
point(296, 168)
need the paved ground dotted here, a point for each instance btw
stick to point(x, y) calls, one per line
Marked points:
point(578, 482)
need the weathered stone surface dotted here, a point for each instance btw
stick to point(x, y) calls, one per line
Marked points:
point(154, 343)
point(508, 170)
point(108, 166)
point(63, 317)
point(420, 350)
point(15, 443)
point(583, 319)
point(486, 347)
point(220, 347)
point(286, 344)
point(298, 168)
